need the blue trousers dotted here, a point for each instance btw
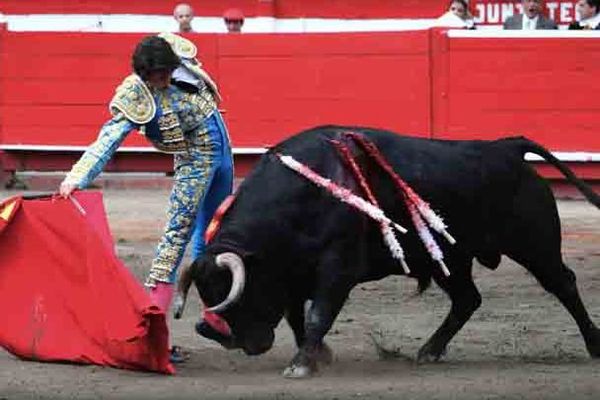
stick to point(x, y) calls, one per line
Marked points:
point(220, 186)
point(203, 179)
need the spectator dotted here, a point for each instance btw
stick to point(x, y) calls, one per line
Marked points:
point(234, 20)
point(173, 101)
point(588, 13)
point(184, 14)
point(531, 18)
point(457, 16)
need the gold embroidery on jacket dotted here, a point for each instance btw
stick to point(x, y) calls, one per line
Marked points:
point(170, 129)
point(196, 166)
point(181, 46)
point(134, 99)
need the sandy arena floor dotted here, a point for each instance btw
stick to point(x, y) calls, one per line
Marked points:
point(520, 344)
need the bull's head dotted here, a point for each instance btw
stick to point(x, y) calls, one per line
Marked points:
point(241, 313)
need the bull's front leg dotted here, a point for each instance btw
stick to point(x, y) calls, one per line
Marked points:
point(319, 319)
point(294, 316)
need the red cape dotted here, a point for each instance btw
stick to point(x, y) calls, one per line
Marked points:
point(66, 296)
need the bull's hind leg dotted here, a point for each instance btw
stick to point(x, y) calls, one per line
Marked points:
point(465, 300)
point(560, 281)
point(533, 239)
point(556, 278)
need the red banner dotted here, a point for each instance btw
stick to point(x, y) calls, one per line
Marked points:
point(495, 12)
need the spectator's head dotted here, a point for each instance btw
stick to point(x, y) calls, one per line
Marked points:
point(587, 8)
point(460, 8)
point(532, 8)
point(234, 20)
point(184, 14)
point(154, 60)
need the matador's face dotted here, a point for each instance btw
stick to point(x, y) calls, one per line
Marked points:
point(159, 79)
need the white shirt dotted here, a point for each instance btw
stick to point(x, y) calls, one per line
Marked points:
point(590, 23)
point(451, 20)
point(184, 74)
point(529, 23)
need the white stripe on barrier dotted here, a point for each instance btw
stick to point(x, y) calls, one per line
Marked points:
point(129, 149)
point(499, 33)
point(570, 156)
point(159, 23)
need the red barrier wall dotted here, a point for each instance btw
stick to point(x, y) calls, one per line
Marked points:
point(276, 85)
point(58, 93)
point(272, 85)
point(54, 87)
point(543, 88)
point(276, 8)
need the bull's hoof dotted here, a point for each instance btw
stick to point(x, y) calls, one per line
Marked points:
point(594, 350)
point(427, 354)
point(593, 344)
point(297, 372)
point(595, 353)
point(304, 363)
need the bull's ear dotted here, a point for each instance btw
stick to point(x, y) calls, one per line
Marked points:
point(207, 269)
point(212, 282)
point(202, 274)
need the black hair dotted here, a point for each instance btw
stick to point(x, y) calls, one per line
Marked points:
point(153, 53)
point(464, 3)
point(594, 3)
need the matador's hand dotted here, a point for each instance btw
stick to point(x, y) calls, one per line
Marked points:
point(67, 188)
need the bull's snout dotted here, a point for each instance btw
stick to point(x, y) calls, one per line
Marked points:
point(255, 341)
point(206, 330)
point(256, 344)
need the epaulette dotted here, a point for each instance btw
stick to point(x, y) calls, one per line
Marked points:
point(194, 67)
point(183, 47)
point(134, 100)
point(187, 51)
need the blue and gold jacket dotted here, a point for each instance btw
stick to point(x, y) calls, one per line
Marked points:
point(168, 118)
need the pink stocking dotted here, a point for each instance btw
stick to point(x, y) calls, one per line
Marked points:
point(161, 295)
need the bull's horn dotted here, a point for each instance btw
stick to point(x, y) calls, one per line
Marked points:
point(183, 287)
point(235, 264)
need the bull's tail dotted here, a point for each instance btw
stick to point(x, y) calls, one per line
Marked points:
point(529, 146)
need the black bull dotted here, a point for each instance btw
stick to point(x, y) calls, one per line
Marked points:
point(287, 240)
